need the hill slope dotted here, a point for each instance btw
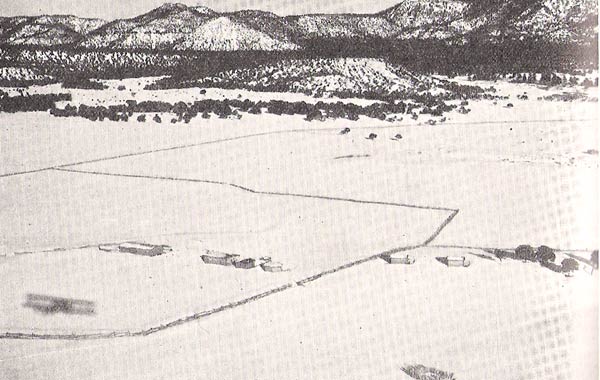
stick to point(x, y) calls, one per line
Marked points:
point(180, 27)
point(45, 30)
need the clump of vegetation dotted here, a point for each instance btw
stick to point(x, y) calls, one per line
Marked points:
point(233, 108)
point(420, 372)
point(567, 97)
point(543, 255)
point(82, 83)
point(30, 103)
point(525, 252)
point(569, 265)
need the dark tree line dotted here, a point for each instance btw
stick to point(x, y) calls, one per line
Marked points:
point(226, 108)
point(477, 56)
point(30, 103)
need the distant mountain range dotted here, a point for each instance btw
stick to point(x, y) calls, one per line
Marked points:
point(180, 27)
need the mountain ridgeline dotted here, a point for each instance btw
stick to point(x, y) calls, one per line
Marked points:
point(178, 27)
point(450, 36)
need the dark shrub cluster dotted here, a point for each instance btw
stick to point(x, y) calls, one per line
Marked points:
point(543, 255)
point(421, 372)
point(225, 108)
point(82, 83)
point(30, 103)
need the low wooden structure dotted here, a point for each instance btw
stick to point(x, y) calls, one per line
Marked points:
point(457, 261)
point(219, 258)
point(247, 263)
point(144, 249)
point(109, 247)
point(397, 258)
point(272, 267)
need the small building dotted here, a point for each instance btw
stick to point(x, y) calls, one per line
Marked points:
point(109, 247)
point(396, 258)
point(247, 263)
point(272, 267)
point(219, 258)
point(457, 261)
point(143, 249)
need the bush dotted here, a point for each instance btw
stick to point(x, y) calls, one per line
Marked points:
point(545, 254)
point(420, 372)
point(30, 103)
point(525, 252)
point(569, 265)
point(157, 119)
point(82, 83)
point(141, 118)
point(315, 114)
point(179, 109)
point(502, 254)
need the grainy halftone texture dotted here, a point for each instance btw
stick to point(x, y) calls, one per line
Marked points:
point(513, 182)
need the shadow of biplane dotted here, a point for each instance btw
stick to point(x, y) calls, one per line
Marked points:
point(54, 305)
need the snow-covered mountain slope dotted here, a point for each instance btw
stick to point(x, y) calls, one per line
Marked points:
point(336, 26)
point(354, 76)
point(279, 28)
point(552, 20)
point(226, 34)
point(178, 26)
point(45, 30)
point(558, 20)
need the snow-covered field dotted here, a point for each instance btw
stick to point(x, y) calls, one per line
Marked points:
point(134, 90)
point(62, 210)
point(489, 321)
point(526, 174)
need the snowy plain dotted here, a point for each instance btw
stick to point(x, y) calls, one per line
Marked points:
point(526, 174)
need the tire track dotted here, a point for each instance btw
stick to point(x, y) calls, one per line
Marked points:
point(253, 191)
point(328, 129)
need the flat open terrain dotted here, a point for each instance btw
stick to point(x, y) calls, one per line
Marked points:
point(56, 209)
point(503, 324)
point(499, 175)
point(526, 174)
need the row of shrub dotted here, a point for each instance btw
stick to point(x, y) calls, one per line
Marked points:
point(30, 103)
point(454, 91)
point(543, 255)
point(553, 79)
point(83, 83)
point(232, 107)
